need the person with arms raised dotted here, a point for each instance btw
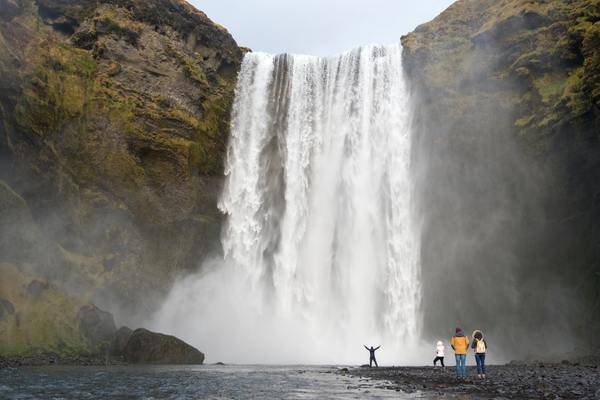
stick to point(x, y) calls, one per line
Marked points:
point(372, 355)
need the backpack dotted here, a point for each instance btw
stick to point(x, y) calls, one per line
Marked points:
point(480, 348)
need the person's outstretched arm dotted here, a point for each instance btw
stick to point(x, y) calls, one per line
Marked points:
point(366, 347)
point(377, 347)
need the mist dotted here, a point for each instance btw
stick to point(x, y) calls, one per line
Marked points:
point(496, 241)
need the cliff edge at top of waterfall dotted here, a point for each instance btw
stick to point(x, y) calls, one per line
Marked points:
point(114, 122)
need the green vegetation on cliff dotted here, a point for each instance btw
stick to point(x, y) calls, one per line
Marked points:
point(540, 57)
point(42, 317)
point(114, 121)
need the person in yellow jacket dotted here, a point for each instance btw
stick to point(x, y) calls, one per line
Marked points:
point(460, 345)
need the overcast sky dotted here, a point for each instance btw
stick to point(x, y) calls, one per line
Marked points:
point(318, 27)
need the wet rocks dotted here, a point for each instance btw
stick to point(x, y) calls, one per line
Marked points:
point(119, 341)
point(512, 381)
point(44, 359)
point(146, 347)
point(97, 326)
point(120, 347)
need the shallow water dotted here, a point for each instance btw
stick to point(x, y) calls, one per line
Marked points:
point(188, 382)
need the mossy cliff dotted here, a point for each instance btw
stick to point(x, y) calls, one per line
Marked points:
point(507, 118)
point(540, 57)
point(113, 126)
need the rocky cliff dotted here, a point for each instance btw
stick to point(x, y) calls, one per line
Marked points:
point(114, 121)
point(507, 118)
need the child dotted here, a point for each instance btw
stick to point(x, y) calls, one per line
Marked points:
point(439, 354)
point(479, 346)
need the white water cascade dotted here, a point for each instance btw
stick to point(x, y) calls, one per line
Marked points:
point(320, 250)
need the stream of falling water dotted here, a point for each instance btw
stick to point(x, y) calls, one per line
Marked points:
point(320, 249)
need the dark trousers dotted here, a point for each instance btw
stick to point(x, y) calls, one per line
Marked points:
point(373, 360)
point(440, 359)
point(480, 360)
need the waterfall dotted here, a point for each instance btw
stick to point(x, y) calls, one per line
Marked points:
point(320, 250)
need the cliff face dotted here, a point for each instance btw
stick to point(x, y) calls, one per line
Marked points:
point(507, 117)
point(114, 121)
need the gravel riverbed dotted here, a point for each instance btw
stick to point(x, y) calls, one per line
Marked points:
point(564, 380)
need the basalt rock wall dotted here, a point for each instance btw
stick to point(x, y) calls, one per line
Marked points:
point(113, 127)
point(507, 160)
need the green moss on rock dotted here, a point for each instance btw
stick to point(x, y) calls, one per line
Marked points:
point(57, 90)
point(45, 322)
point(545, 48)
point(114, 123)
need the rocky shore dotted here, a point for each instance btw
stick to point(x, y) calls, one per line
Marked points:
point(565, 380)
point(125, 347)
point(39, 360)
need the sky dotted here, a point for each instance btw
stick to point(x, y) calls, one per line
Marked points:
point(318, 27)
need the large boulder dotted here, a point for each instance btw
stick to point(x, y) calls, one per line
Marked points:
point(145, 347)
point(97, 326)
point(119, 341)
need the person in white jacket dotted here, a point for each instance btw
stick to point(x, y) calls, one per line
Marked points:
point(439, 354)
